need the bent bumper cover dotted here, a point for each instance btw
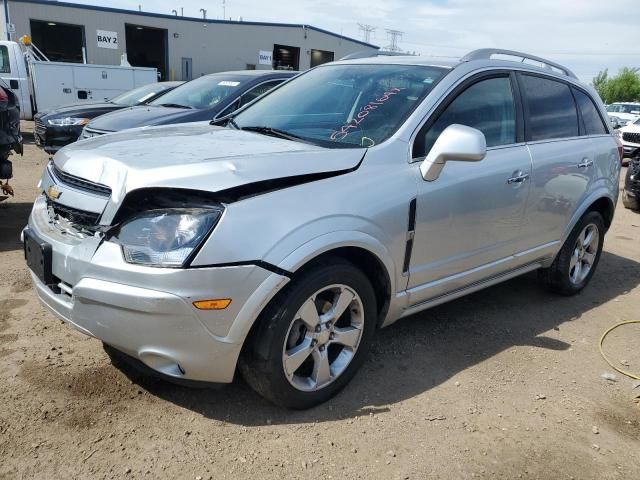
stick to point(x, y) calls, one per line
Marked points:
point(158, 328)
point(147, 312)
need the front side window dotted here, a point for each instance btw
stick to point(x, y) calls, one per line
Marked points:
point(344, 105)
point(203, 92)
point(487, 106)
point(591, 119)
point(5, 66)
point(552, 110)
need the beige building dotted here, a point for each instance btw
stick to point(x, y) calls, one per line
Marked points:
point(181, 48)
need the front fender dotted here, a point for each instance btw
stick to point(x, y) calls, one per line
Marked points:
point(297, 259)
point(339, 239)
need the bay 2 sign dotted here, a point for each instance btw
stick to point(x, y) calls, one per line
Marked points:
point(107, 39)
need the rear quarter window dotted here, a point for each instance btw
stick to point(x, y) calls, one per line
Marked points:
point(591, 120)
point(551, 109)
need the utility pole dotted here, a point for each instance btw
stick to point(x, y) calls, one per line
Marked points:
point(394, 35)
point(224, 9)
point(6, 18)
point(366, 31)
point(204, 13)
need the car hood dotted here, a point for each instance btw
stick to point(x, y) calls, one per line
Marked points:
point(631, 127)
point(78, 108)
point(142, 116)
point(195, 156)
point(624, 116)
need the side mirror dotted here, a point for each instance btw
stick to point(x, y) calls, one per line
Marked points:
point(457, 143)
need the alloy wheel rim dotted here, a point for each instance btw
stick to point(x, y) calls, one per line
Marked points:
point(584, 254)
point(323, 338)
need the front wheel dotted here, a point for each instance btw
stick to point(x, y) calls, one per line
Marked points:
point(313, 337)
point(630, 202)
point(578, 258)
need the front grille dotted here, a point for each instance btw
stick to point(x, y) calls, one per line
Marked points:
point(77, 182)
point(81, 219)
point(633, 137)
point(634, 172)
point(40, 127)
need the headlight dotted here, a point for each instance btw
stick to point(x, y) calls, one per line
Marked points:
point(165, 238)
point(68, 121)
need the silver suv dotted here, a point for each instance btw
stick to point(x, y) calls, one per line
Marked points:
point(353, 195)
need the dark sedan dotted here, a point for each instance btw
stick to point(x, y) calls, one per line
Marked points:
point(63, 125)
point(205, 98)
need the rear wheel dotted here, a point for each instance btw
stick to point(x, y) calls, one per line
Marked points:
point(313, 337)
point(578, 258)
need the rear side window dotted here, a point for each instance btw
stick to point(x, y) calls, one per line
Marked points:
point(255, 92)
point(5, 66)
point(590, 117)
point(552, 110)
point(487, 106)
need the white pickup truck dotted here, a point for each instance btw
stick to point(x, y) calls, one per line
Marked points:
point(41, 84)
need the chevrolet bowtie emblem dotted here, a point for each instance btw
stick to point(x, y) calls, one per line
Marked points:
point(53, 193)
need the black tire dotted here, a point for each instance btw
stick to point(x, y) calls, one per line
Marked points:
point(557, 276)
point(629, 202)
point(261, 362)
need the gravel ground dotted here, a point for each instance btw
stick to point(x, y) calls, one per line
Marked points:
point(505, 383)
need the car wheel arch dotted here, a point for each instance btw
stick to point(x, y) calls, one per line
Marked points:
point(601, 201)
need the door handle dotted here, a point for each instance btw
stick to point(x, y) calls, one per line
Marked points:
point(585, 163)
point(518, 177)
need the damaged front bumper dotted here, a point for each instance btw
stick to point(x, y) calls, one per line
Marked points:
point(148, 312)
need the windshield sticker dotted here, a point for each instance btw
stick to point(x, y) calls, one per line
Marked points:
point(362, 114)
point(228, 83)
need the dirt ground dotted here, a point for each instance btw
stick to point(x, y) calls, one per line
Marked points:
point(505, 383)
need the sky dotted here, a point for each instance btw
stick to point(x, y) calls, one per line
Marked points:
point(585, 35)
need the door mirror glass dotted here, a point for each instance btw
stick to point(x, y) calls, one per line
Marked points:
point(457, 143)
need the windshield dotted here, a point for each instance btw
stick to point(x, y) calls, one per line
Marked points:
point(343, 105)
point(619, 108)
point(139, 95)
point(203, 92)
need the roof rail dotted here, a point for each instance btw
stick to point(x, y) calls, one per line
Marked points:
point(486, 53)
point(368, 54)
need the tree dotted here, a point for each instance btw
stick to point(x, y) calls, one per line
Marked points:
point(624, 87)
point(600, 83)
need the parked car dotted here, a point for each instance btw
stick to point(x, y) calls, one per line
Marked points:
point(630, 136)
point(204, 98)
point(356, 194)
point(63, 125)
point(631, 189)
point(10, 137)
point(624, 112)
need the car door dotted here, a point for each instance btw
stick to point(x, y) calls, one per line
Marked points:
point(469, 220)
point(563, 160)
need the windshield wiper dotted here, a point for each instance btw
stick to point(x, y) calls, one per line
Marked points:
point(175, 105)
point(275, 132)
